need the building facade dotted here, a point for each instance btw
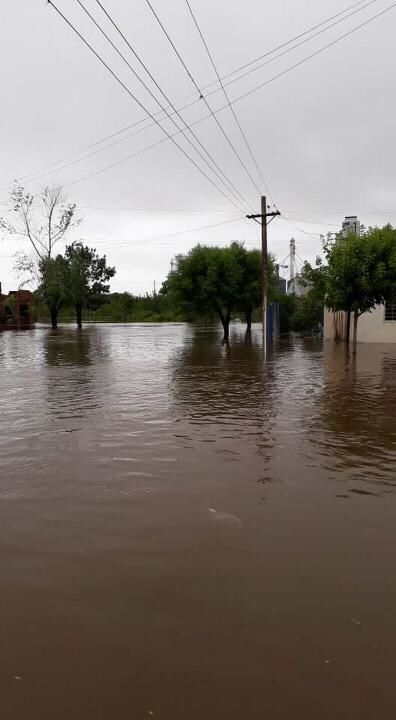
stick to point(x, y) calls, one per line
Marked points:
point(17, 308)
point(350, 224)
point(378, 326)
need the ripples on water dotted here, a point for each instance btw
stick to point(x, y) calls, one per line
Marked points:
point(115, 398)
point(114, 444)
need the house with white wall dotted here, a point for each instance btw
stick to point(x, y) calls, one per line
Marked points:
point(377, 326)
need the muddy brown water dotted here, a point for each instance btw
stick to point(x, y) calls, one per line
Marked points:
point(123, 595)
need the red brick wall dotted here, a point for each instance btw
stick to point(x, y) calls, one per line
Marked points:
point(22, 297)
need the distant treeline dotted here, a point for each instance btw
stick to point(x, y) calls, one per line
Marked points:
point(122, 308)
point(296, 314)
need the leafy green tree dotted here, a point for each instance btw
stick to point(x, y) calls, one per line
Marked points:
point(251, 288)
point(208, 280)
point(358, 272)
point(53, 289)
point(119, 307)
point(362, 272)
point(287, 306)
point(223, 281)
point(88, 276)
point(307, 313)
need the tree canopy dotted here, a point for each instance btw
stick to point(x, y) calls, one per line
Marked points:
point(357, 273)
point(53, 288)
point(88, 276)
point(221, 280)
point(251, 288)
point(79, 278)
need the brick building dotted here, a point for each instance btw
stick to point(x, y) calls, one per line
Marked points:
point(17, 308)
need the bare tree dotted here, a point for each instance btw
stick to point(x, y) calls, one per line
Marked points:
point(44, 220)
point(26, 268)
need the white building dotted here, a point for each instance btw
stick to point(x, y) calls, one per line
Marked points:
point(378, 326)
point(294, 287)
point(351, 224)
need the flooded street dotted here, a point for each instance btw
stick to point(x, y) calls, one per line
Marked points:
point(187, 532)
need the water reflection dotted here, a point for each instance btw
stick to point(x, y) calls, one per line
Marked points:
point(114, 444)
point(73, 384)
point(67, 347)
point(357, 423)
point(224, 396)
point(228, 385)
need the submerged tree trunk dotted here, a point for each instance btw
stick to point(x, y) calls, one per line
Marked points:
point(225, 321)
point(355, 325)
point(54, 312)
point(348, 327)
point(248, 318)
point(79, 316)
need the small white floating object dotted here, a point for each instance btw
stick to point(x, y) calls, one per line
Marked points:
point(225, 518)
point(17, 677)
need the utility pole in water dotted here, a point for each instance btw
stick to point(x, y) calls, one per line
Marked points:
point(263, 216)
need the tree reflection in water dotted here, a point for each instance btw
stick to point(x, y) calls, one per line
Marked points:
point(226, 394)
point(357, 424)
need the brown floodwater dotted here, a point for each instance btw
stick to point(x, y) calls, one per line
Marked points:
point(189, 532)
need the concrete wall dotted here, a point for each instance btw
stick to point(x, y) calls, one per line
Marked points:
point(372, 327)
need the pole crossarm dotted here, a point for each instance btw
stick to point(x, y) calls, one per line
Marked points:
point(268, 214)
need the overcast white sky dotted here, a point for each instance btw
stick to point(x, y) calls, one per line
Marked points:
point(323, 134)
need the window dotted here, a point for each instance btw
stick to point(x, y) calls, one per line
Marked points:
point(390, 311)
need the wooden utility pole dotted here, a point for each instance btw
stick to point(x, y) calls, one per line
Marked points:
point(264, 215)
point(264, 267)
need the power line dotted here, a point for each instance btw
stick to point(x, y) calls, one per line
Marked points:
point(131, 94)
point(170, 103)
point(304, 232)
point(91, 154)
point(125, 159)
point(223, 86)
point(294, 47)
point(313, 222)
point(314, 54)
point(287, 257)
point(233, 190)
point(227, 97)
point(207, 243)
point(342, 212)
point(86, 147)
point(241, 97)
point(196, 229)
point(166, 236)
point(195, 100)
point(296, 37)
point(185, 106)
point(202, 97)
point(152, 210)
